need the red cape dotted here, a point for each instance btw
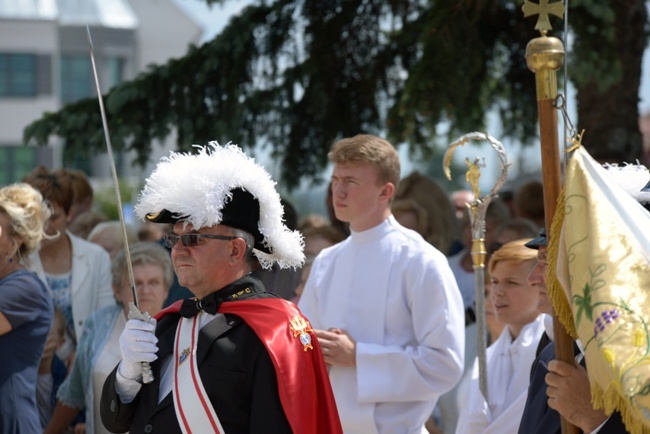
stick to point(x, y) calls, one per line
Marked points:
point(303, 383)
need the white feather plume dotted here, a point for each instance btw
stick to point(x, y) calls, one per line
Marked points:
point(631, 178)
point(197, 185)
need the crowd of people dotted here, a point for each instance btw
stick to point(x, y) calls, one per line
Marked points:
point(260, 320)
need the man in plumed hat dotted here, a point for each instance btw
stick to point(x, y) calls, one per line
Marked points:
point(235, 358)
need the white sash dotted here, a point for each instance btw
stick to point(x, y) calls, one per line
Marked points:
point(193, 408)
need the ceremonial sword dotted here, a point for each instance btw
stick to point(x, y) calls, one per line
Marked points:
point(134, 311)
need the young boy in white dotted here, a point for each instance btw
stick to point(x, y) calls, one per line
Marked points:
point(510, 357)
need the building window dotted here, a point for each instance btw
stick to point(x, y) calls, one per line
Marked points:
point(76, 78)
point(17, 74)
point(18, 161)
point(115, 70)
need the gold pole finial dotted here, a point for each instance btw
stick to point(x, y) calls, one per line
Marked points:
point(543, 9)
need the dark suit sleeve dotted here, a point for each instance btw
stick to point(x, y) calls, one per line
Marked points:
point(538, 417)
point(266, 407)
point(116, 416)
point(614, 425)
point(239, 378)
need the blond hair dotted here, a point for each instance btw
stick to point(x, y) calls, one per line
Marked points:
point(27, 213)
point(370, 150)
point(513, 251)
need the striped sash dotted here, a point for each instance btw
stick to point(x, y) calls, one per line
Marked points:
point(193, 408)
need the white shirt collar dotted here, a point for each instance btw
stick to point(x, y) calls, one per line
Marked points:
point(373, 233)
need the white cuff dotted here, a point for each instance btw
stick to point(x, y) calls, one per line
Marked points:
point(125, 388)
point(599, 427)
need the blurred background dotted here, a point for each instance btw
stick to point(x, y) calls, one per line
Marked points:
point(45, 69)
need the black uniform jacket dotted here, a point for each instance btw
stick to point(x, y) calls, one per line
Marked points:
point(538, 417)
point(235, 369)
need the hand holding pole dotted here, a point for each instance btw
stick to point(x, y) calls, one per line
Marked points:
point(544, 56)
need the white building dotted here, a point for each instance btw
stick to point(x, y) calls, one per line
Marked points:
point(45, 63)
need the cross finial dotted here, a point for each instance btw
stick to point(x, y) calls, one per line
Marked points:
point(543, 9)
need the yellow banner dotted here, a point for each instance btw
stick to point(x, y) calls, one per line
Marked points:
point(600, 243)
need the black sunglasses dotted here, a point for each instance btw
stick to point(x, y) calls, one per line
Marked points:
point(191, 240)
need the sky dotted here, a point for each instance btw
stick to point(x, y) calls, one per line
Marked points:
point(524, 160)
point(212, 18)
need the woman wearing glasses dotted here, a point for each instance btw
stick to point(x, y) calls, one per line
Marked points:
point(99, 350)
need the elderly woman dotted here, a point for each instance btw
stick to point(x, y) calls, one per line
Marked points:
point(98, 352)
point(510, 357)
point(26, 308)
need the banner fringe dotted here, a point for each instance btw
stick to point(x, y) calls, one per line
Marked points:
point(556, 293)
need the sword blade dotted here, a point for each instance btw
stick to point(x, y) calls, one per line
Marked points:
point(116, 184)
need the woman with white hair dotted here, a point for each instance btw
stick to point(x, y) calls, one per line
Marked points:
point(26, 308)
point(110, 235)
point(98, 350)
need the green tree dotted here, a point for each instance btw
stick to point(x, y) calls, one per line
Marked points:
point(296, 75)
point(105, 200)
point(610, 38)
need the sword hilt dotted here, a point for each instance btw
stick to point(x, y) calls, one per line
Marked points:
point(134, 313)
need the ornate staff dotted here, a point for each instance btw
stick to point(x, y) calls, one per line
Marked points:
point(134, 312)
point(477, 210)
point(544, 56)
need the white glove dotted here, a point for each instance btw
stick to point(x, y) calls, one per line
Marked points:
point(137, 345)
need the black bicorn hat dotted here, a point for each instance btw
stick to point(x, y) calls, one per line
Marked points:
point(221, 185)
point(241, 211)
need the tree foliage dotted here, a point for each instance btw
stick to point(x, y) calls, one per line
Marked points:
point(297, 75)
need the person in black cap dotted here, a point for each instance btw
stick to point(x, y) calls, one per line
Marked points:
point(557, 388)
point(234, 358)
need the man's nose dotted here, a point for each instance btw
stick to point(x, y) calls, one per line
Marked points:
point(535, 276)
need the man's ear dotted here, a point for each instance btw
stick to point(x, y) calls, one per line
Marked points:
point(238, 249)
point(388, 191)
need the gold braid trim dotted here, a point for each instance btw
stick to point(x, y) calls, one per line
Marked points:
point(611, 400)
point(556, 292)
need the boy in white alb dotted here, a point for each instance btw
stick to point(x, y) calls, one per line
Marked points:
point(384, 303)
